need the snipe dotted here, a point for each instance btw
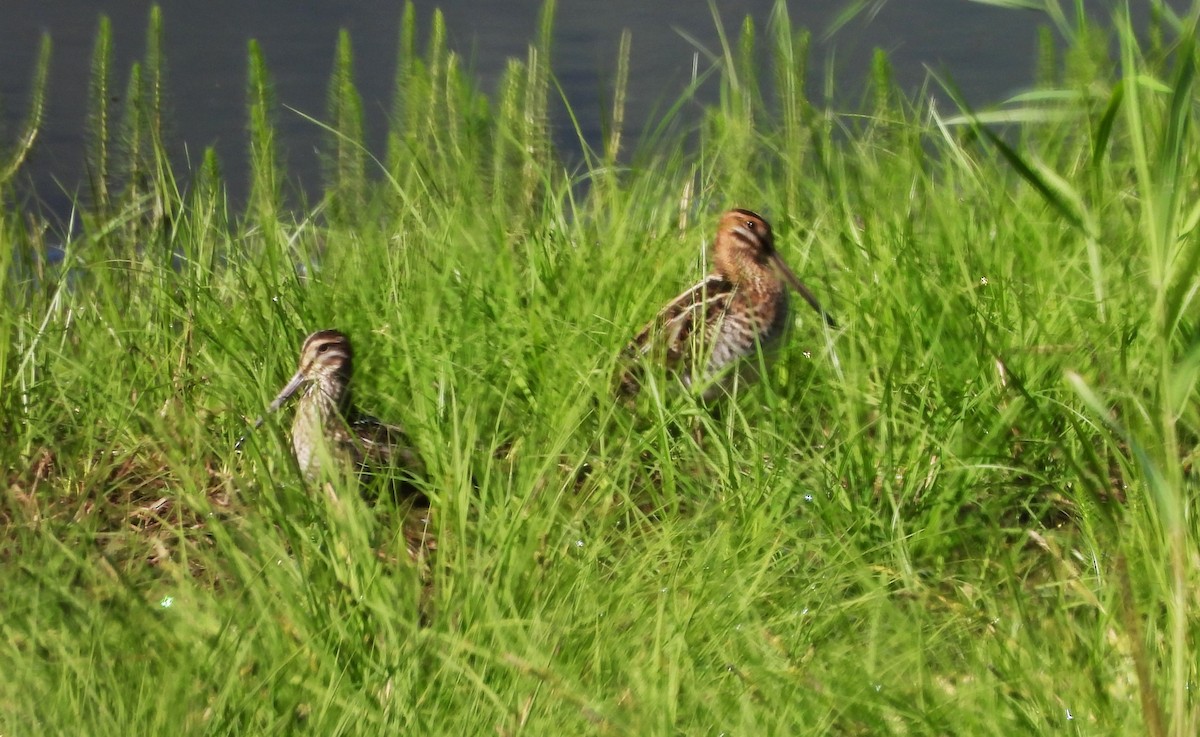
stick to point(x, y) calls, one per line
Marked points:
point(705, 335)
point(328, 427)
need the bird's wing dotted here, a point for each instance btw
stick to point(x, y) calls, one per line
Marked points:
point(678, 333)
point(387, 445)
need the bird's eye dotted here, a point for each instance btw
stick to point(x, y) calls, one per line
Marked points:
point(323, 348)
point(751, 224)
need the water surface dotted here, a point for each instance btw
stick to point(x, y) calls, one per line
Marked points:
point(988, 52)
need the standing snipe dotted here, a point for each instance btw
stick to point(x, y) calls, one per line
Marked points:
point(327, 425)
point(704, 334)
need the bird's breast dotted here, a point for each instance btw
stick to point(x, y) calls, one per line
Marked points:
point(751, 322)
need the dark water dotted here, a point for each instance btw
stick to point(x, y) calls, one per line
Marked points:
point(988, 52)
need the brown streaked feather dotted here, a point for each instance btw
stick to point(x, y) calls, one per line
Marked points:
point(382, 444)
point(672, 337)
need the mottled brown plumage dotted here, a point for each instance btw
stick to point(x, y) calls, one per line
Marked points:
point(328, 426)
point(705, 334)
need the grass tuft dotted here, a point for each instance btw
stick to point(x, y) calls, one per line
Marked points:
point(14, 158)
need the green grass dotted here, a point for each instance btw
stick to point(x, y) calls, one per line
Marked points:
point(967, 511)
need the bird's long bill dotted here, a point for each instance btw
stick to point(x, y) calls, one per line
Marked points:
point(293, 384)
point(804, 292)
point(286, 392)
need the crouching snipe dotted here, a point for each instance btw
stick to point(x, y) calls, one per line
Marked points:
point(706, 335)
point(329, 428)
